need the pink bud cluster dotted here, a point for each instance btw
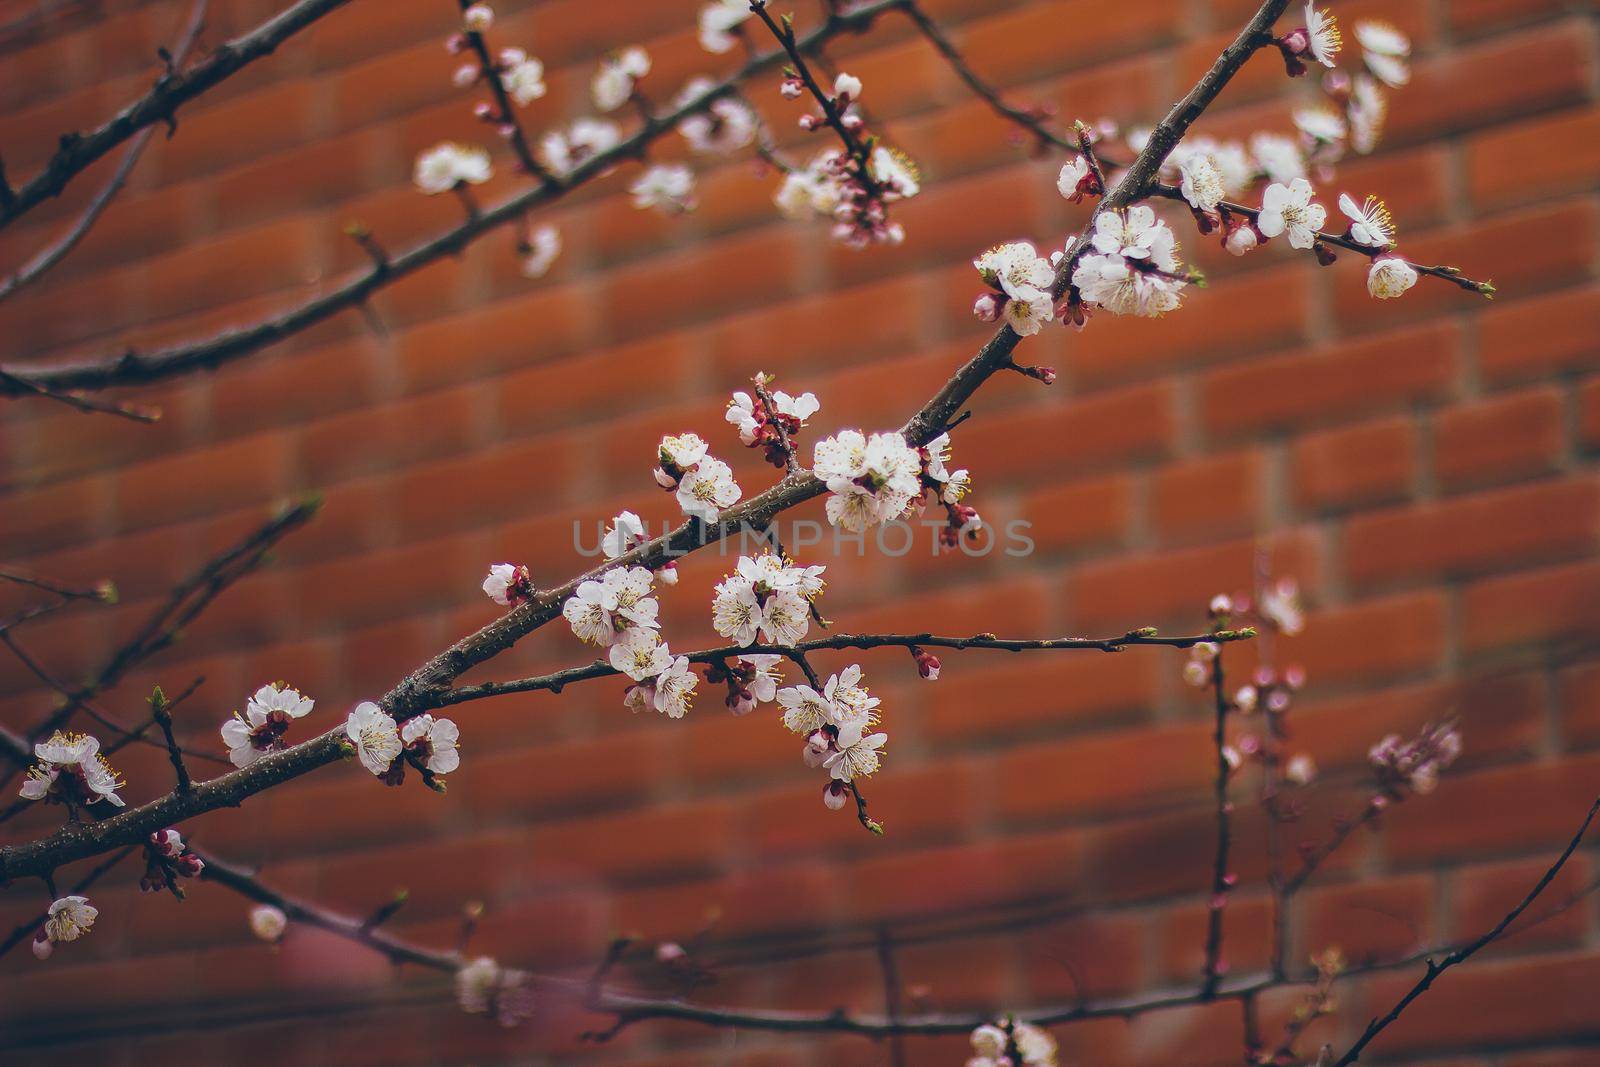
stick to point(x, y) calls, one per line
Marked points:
point(1413, 766)
point(167, 858)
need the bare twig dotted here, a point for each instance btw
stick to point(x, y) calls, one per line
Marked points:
point(1465, 952)
point(173, 89)
point(1221, 878)
point(558, 680)
point(55, 252)
point(163, 717)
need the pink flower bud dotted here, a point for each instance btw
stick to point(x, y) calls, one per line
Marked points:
point(834, 795)
point(42, 948)
point(464, 76)
point(987, 307)
point(667, 574)
point(664, 480)
point(670, 952)
point(927, 664)
point(809, 122)
point(478, 17)
point(791, 88)
point(482, 111)
point(1242, 240)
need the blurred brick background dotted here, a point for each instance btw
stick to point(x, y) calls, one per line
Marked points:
point(1424, 467)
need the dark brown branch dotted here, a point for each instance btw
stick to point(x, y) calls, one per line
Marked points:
point(192, 596)
point(1465, 952)
point(558, 680)
point(173, 89)
point(1221, 879)
point(791, 462)
point(136, 368)
point(105, 592)
point(17, 385)
point(428, 685)
point(55, 252)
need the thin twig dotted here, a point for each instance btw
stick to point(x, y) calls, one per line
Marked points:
point(1221, 878)
point(55, 252)
point(1465, 952)
point(558, 680)
point(506, 115)
point(163, 717)
point(78, 151)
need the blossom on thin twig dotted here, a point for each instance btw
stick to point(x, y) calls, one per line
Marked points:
point(1385, 51)
point(539, 250)
point(67, 919)
point(1289, 209)
point(483, 987)
point(563, 150)
point(614, 82)
point(666, 186)
point(1389, 277)
point(508, 584)
point(718, 20)
point(1370, 223)
point(448, 165)
point(268, 923)
point(722, 128)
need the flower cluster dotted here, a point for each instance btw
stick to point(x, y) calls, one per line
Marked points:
point(67, 919)
point(758, 428)
point(704, 484)
point(261, 727)
point(1414, 765)
point(834, 723)
point(721, 128)
point(1012, 1044)
point(667, 187)
point(1318, 40)
point(385, 746)
point(167, 858)
point(603, 609)
point(483, 987)
point(71, 771)
point(1020, 283)
point(448, 165)
point(661, 681)
point(563, 151)
point(948, 488)
point(720, 21)
point(614, 82)
point(766, 597)
point(871, 480)
point(1133, 268)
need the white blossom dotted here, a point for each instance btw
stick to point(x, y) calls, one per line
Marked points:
point(483, 987)
point(524, 81)
point(856, 754)
point(847, 85)
point(1070, 181)
point(1015, 269)
point(1367, 109)
point(432, 742)
point(70, 767)
point(812, 191)
point(1301, 769)
point(849, 703)
point(478, 18)
point(724, 126)
point(1322, 33)
point(1370, 223)
point(674, 689)
point(376, 737)
point(707, 488)
point(563, 151)
point(1038, 1048)
point(717, 20)
point(765, 598)
point(613, 82)
point(682, 450)
point(1278, 157)
point(616, 602)
point(506, 583)
point(805, 710)
point(67, 919)
point(1389, 277)
point(540, 251)
point(625, 534)
point(1202, 183)
point(1137, 233)
point(446, 165)
point(895, 174)
point(1289, 209)
point(667, 186)
point(1319, 125)
point(268, 922)
point(640, 654)
point(1385, 51)
point(1243, 239)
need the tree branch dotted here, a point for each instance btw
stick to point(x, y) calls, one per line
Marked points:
point(1221, 879)
point(134, 368)
point(54, 253)
point(173, 89)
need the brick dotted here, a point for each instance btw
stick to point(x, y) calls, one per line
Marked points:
point(1209, 498)
point(1546, 157)
point(1356, 466)
point(1502, 529)
point(1555, 604)
point(1503, 439)
point(1372, 375)
point(1530, 339)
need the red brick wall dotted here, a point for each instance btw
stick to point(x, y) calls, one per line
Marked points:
point(1424, 467)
